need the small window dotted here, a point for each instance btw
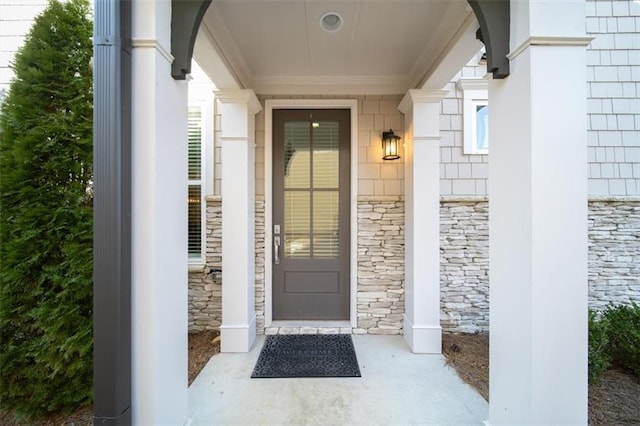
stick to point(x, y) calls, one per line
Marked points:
point(195, 201)
point(475, 115)
point(480, 142)
point(200, 135)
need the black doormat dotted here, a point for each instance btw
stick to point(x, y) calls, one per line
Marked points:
point(307, 355)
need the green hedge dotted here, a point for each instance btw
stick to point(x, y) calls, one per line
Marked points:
point(624, 336)
point(614, 340)
point(46, 219)
point(599, 358)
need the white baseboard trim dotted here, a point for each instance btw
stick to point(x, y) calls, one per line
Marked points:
point(238, 337)
point(421, 338)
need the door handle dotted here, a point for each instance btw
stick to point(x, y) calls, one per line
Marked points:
point(276, 250)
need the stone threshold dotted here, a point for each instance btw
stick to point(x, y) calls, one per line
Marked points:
point(311, 327)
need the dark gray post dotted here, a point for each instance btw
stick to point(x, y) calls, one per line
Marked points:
point(112, 212)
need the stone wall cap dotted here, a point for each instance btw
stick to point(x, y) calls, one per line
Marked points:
point(601, 198)
point(196, 267)
point(464, 198)
point(218, 198)
point(365, 198)
point(616, 198)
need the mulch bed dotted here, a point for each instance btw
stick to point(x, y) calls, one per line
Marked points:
point(469, 355)
point(81, 417)
point(615, 400)
point(202, 346)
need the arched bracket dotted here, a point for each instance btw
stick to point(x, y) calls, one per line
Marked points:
point(494, 19)
point(186, 16)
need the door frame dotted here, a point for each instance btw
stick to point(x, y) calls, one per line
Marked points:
point(270, 105)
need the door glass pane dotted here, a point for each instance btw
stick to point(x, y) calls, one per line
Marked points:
point(297, 223)
point(297, 162)
point(326, 241)
point(326, 156)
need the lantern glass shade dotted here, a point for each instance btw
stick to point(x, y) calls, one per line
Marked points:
point(390, 145)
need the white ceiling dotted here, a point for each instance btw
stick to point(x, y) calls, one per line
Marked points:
point(386, 46)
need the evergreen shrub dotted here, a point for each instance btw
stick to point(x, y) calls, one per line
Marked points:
point(46, 218)
point(624, 336)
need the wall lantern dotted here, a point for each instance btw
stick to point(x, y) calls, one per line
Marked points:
point(390, 144)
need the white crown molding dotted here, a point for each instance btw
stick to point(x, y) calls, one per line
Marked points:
point(549, 41)
point(240, 96)
point(271, 104)
point(330, 85)
point(465, 84)
point(417, 96)
point(150, 43)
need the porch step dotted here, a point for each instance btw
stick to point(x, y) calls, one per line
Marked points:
point(313, 330)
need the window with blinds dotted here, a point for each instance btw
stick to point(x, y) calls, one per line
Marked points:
point(311, 190)
point(195, 193)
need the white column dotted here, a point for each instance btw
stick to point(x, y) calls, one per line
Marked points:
point(237, 141)
point(159, 223)
point(422, 330)
point(538, 220)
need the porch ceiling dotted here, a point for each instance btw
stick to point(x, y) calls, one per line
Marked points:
point(278, 46)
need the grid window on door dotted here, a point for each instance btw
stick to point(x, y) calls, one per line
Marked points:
point(311, 190)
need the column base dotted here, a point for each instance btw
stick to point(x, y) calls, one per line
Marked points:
point(423, 339)
point(238, 337)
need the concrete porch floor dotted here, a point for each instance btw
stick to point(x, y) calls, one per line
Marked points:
point(396, 387)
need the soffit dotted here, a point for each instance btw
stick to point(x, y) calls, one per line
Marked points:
point(278, 47)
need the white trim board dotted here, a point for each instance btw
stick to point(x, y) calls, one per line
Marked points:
point(270, 105)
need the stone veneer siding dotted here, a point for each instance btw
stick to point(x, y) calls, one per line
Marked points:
point(614, 258)
point(464, 264)
point(614, 263)
point(205, 289)
point(380, 269)
point(380, 304)
point(614, 251)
